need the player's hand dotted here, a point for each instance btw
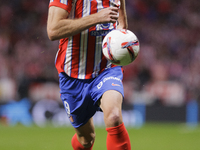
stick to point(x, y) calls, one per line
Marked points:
point(108, 15)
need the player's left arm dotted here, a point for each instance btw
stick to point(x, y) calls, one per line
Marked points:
point(122, 20)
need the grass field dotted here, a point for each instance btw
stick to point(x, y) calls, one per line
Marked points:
point(149, 137)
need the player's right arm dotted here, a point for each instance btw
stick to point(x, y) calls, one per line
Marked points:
point(59, 26)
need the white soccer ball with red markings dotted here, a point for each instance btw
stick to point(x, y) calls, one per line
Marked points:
point(120, 47)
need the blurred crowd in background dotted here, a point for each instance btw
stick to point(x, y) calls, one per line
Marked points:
point(166, 72)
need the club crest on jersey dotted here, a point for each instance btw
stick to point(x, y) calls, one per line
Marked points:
point(105, 25)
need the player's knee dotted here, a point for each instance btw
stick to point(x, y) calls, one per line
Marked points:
point(88, 142)
point(114, 118)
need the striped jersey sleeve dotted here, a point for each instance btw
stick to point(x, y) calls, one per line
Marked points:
point(65, 4)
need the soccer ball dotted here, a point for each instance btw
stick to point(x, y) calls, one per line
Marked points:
point(120, 47)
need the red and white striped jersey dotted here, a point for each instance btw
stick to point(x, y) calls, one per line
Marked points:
point(80, 56)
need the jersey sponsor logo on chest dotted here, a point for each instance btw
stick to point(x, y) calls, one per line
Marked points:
point(102, 29)
point(100, 33)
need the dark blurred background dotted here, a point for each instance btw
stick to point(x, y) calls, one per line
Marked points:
point(164, 78)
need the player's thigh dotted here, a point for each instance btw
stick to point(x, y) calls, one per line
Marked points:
point(86, 133)
point(111, 99)
point(111, 103)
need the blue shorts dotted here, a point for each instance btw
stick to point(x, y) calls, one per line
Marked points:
point(80, 97)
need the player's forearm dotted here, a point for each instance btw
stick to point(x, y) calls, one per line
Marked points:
point(69, 27)
point(59, 26)
point(123, 24)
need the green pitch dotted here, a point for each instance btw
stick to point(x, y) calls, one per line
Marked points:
point(149, 137)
